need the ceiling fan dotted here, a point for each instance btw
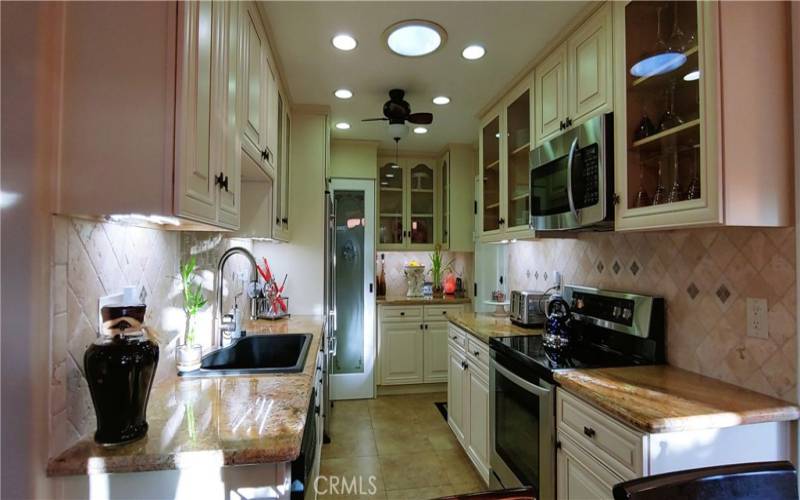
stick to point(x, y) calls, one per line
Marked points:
point(397, 111)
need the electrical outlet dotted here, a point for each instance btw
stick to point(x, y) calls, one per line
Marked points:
point(757, 318)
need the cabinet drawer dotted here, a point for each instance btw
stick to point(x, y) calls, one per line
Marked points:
point(478, 354)
point(456, 337)
point(436, 313)
point(620, 447)
point(394, 313)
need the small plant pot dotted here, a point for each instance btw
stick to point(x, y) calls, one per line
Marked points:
point(438, 292)
point(188, 357)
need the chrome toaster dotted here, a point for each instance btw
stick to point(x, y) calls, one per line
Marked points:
point(527, 308)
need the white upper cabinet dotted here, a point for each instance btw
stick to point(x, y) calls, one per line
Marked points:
point(551, 95)
point(156, 137)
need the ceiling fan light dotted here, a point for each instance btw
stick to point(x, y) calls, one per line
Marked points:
point(398, 131)
point(658, 64)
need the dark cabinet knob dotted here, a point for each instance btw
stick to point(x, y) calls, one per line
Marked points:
point(561, 125)
point(285, 220)
point(426, 326)
point(615, 198)
point(402, 313)
point(476, 353)
point(588, 431)
point(221, 180)
point(568, 122)
point(420, 326)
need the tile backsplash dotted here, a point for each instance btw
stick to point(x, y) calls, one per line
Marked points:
point(89, 260)
point(705, 275)
point(463, 265)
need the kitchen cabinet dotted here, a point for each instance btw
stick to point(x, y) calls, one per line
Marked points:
point(282, 179)
point(444, 199)
point(260, 117)
point(162, 124)
point(574, 81)
point(457, 198)
point(595, 450)
point(468, 396)
point(505, 145)
point(412, 343)
point(407, 203)
point(685, 151)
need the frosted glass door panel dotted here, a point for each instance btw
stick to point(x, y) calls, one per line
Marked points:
point(349, 277)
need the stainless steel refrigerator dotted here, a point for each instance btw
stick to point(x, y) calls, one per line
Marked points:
point(329, 342)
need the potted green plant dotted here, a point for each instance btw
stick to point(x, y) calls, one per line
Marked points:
point(438, 268)
point(190, 353)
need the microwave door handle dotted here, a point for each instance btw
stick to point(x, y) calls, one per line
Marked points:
point(572, 148)
point(528, 386)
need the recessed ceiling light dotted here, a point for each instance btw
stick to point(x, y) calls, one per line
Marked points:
point(395, 165)
point(344, 42)
point(441, 100)
point(343, 93)
point(692, 76)
point(473, 52)
point(415, 37)
point(420, 130)
point(343, 125)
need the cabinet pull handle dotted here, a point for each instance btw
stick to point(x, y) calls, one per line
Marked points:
point(285, 220)
point(426, 326)
point(561, 125)
point(569, 122)
point(221, 180)
point(476, 353)
point(454, 337)
point(420, 326)
point(402, 313)
point(588, 431)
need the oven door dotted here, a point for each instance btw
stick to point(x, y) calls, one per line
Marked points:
point(568, 178)
point(522, 430)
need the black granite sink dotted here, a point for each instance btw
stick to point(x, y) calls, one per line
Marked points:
point(255, 355)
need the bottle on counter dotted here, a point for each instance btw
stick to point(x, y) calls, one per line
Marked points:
point(382, 278)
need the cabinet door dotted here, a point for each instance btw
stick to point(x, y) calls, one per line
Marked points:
point(516, 214)
point(444, 199)
point(490, 141)
point(281, 199)
point(391, 205)
point(225, 70)
point(422, 204)
point(435, 349)
point(274, 116)
point(581, 476)
point(401, 353)
point(551, 95)
point(455, 392)
point(589, 60)
point(253, 97)
point(478, 448)
point(195, 195)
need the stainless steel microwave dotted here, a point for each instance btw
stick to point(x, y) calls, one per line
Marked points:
point(571, 179)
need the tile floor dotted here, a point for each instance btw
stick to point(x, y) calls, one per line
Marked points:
point(404, 442)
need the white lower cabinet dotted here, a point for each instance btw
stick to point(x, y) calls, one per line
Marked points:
point(581, 476)
point(412, 344)
point(468, 397)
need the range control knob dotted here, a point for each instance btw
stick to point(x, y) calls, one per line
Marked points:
point(626, 314)
point(616, 312)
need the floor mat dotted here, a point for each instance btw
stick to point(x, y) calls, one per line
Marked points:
point(442, 407)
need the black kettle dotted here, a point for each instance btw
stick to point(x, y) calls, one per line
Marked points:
point(557, 334)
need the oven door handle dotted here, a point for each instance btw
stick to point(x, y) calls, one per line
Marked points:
point(528, 386)
point(572, 148)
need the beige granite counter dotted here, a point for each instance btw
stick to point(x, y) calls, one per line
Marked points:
point(486, 326)
point(234, 420)
point(402, 300)
point(662, 398)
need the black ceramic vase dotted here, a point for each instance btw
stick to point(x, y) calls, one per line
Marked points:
point(120, 366)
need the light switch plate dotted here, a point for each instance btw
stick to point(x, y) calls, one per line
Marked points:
point(757, 318)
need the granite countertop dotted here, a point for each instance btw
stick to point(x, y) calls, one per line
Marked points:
point(402, 300)
point(234, 420)
point(663, 398)
point(485, 326)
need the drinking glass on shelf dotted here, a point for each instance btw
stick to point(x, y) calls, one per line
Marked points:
point(675, 192)
point(677, 40)
point(693, 191)
point(642, 197)
point(660, 196)
point(669, 119)
point(645, 127)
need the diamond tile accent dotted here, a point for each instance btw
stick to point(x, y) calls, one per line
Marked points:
point(536, 275)
point(723, 293)
point(544, 276)
point(704, 275)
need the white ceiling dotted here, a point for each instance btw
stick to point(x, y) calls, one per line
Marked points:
point(512, 32)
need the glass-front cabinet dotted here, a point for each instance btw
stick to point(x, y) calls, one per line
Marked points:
point(407, 203)
point(505, 146)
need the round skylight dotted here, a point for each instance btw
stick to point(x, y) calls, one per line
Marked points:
point(344, 42)
point(473, 52)
point(415, 38)
point(343, 93)
point(343, 125)
point(441, 100)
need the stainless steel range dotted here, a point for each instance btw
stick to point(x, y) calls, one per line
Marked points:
point(606, 329)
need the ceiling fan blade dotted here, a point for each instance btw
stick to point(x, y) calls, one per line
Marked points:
point(420, 118)
point(375, 120)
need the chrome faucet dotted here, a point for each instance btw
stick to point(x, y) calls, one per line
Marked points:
point(227, 323)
